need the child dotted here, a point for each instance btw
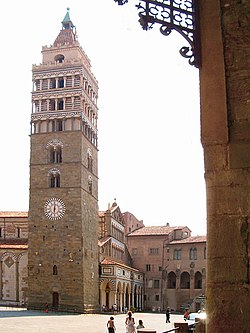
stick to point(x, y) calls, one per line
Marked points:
point(140, 325)
point(111, 325)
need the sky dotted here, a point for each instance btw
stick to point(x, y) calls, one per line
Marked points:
point(150, 153)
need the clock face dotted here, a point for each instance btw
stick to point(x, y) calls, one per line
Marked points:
point(54, 209)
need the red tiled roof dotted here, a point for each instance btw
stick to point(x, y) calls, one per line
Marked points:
point(13, 214)
point(147, 231)
point(107, 261)
point(13, 241)
point(65, 37)
point(192, 239)
point(103, 240)
point(19, 247)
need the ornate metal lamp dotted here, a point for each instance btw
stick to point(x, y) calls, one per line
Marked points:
point(179, 15)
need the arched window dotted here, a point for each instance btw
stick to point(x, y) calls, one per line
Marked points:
point(53, 83)
point(55, 272)
point(185, 280)
point(52, 104)
point(193, 254)
point(54, 178)
point(54, 148)
point(177, 254)
point(59, 58)
point(55, 154)
point(171, 280)
point(90, 161)
point(61, 83)
point(60, 104)
point(198, 280)
point(90, 184)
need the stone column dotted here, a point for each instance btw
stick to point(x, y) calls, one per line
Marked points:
point(225, 128)
point(1, 281)
point(17, 280)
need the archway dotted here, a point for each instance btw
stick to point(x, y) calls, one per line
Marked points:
point(55, 301)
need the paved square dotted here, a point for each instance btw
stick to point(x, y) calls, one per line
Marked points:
point(23, 321)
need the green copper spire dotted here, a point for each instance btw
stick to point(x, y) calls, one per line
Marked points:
point(67, 23)
point(67, 35)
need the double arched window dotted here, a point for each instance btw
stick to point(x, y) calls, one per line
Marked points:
point(54, 178)
point(177, 254)
point(193, 254)
point(90, 184)
point(55, 151)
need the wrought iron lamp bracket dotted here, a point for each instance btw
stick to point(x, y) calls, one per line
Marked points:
point(179, 15)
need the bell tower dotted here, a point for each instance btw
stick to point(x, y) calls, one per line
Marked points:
point(63, 205)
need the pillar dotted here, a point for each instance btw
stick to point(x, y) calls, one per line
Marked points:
point(225, 128)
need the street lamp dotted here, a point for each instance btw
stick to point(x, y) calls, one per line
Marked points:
point(179, 15)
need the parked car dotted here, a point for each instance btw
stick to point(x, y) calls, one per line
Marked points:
point(192, 319)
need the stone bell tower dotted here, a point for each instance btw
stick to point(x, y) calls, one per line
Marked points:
point(63, 207)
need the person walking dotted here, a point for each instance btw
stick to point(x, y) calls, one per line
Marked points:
point(111, 325)
point(168, 315)
point(130, 323)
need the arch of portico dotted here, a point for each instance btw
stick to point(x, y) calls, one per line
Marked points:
point(13, 277)
point(123, 294)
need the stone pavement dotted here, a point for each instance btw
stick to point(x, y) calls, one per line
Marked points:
point(23, 321)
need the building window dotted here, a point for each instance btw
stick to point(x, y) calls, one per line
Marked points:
point(61, 83)
point(55, 180)
point(134, 251)
point(197, 280)
point(60, 104)
point(90, 163)
point(1, 232)
point(185, 280)
point(177, 254)
point(90, 184)
point(55, 272)
point(157, 297)
point(59, 125)
point(52, 104)
point(160, 269)
point(150, 283)
point(153, 251)
point(193, 254)
point(156, 284)
point(53, 83)
point(148, 267)
point(55, 154)
point(18, 232)
point(171, 280)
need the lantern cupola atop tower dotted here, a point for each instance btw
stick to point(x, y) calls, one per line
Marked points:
point(67, 35)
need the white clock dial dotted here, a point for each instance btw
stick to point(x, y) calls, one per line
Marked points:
point(54, 208)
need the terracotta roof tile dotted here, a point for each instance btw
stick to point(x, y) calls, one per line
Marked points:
point(19, 247)
point(14, 241)
point(13, 214)
point(192, 239)
point(107, 261)
point(152, 230)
